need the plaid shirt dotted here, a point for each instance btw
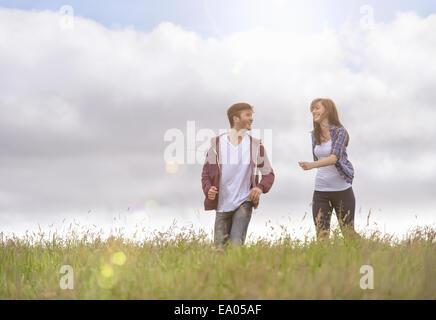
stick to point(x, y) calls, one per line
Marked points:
point(340, 139)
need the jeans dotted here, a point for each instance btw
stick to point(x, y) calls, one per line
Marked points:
point(344, 204)
point(232, 226)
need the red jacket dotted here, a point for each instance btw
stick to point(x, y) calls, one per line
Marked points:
point(212, 170)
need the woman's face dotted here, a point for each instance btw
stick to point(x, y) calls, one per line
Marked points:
point(319, 113)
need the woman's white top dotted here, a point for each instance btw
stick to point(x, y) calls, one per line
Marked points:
point(235, 179)
point(328, 178)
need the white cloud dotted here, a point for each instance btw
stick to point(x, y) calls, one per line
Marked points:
point(88, 107)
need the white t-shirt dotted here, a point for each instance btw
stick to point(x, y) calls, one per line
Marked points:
point(235, 179)
point(328, 178)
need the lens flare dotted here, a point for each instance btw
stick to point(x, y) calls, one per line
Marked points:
point(119, 258)
point(171, 167)
point(107, 271)
point(105, 283)
point(151, 205)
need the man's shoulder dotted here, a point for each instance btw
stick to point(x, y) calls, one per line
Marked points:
point(254, 140)
point(217, 138)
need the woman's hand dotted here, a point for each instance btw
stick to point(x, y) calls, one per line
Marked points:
point(306, 165)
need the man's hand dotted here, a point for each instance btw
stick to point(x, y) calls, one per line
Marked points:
point(212, 192)
point(254, 194)
point(306, 165)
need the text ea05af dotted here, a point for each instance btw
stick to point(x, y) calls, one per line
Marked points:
point(239, 309)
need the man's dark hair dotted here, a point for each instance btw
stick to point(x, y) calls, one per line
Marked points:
point(235, 110)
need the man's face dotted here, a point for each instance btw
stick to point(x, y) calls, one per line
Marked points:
point(244, 121)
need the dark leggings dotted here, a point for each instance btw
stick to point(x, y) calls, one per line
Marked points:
point(344, 204)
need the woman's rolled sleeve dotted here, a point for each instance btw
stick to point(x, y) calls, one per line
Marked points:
point(339, 142)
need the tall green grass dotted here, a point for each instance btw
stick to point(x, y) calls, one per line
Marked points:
point(185, 265)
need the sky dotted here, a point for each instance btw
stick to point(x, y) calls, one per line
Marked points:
point(223, 17)
point(91, 94)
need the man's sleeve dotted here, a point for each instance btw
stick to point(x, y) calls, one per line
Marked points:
point(266, 170)
point(205, 179)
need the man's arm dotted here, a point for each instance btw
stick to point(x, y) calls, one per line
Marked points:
point(266, 170)
point(205, 178)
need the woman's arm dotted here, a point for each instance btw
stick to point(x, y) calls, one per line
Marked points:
point(338, 147)
point(331, 159)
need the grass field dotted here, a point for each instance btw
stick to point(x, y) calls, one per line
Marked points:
point(185, 265)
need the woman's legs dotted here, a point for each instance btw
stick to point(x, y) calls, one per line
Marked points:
point(322, 213)
point(344, 203)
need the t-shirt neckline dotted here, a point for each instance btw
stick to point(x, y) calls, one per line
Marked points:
point(239, 144)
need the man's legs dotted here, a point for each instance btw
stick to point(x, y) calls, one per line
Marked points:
point(223, 224)
point(241, 219)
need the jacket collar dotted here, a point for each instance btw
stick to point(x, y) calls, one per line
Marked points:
point(254, 146)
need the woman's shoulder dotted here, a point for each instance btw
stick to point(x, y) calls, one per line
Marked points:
point(338, 129)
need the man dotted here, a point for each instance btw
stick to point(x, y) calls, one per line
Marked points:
point(230, 178)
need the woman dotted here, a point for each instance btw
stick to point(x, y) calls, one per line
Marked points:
point(335, 172)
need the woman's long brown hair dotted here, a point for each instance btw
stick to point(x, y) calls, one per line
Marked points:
point(332, 114)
